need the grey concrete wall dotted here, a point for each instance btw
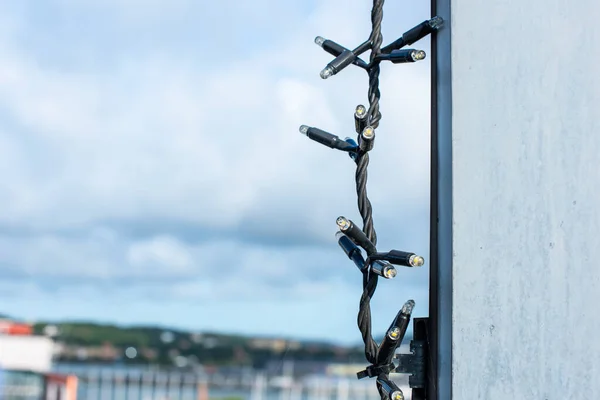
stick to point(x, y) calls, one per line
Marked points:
point(525, 199)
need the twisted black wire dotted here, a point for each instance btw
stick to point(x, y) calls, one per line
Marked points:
point(376, 39)
point(364, 205)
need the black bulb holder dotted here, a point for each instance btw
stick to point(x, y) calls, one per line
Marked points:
point(402, 56)
point(352, 250)
point(388, 389)
point(395, 334)
point(366, 140)
point(338, 64)
point(336, 49)
point(360, 118)
point(414, 34)
point(327, 139)
point(350, 229)
point(397, 257)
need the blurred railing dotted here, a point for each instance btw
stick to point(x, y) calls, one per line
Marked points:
point(113, 384)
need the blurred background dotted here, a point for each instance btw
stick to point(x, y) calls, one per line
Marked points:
point(165, 230)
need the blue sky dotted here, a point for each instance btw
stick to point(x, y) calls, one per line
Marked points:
point(153, 171)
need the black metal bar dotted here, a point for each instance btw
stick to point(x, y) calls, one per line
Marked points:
point(113, 385)
point(141, 386)
point(440, 260)
point(84, 381)
point(99, 386)
point(126, 385)
point(433, 216)
point(153, 385)
point(181, 386)
point(168, 384)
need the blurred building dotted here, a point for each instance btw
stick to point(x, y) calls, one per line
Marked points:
point(20, 350)
point(26, 363)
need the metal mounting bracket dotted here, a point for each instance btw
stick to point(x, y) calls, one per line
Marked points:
point(415, 363)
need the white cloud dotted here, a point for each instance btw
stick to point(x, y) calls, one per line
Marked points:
point(164, 252)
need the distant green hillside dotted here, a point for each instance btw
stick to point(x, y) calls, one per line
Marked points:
point(106, 342)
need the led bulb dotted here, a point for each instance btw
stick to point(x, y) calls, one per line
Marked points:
point(304, 129)
point(368, 133)
point(355, 234)
point(360, 118)
point(343, 223)
point(345, 58)
point(319, 41)
point(384, 269)
point(418, 55)
point(396, 396)
point(326, 73)
point(389, 272)
point(398, 257)
point(436, 22)
point(394, 333)
point(361, 111)
point(403, 56)
point(407, 308)
point(367, 137)
point(416, 261)
point(389, 389)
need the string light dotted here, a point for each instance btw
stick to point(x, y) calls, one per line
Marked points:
point(415, 34)
point(336, 49)
point(329, 46)
point(403, 56)
point(339, 63)
point(350, 237)
point(326, 138)
point(395, 334)
point(367, 139)
point(358, 236)
point(351, 250)
point(388, 389)
point(398, 257)
point(384, 269)
point(360, 118)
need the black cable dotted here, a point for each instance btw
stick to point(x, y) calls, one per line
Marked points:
point(364, 205)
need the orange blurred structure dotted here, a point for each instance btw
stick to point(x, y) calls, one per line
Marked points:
point(62, 387)
point(8, 327)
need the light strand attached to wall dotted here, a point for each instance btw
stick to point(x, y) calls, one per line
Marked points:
point(351, 238)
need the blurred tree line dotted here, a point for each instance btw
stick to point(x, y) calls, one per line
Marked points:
point(90, 342)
